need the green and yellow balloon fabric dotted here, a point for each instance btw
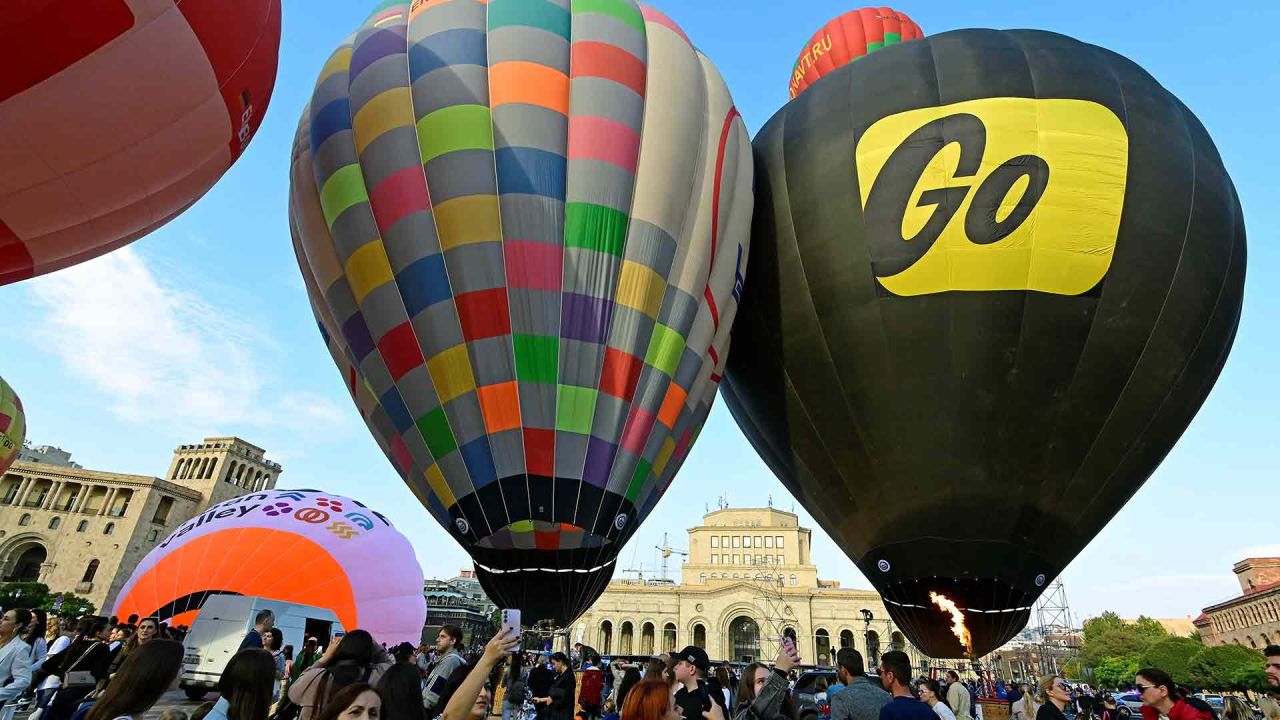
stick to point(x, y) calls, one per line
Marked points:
point(13, 426)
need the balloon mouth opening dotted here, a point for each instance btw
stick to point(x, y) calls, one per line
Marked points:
point(541, 535)
point(960, 617)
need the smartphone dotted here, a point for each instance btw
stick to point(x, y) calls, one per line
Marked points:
point(511, 620)
point(789, 640)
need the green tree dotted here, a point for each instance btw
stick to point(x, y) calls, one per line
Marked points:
point(71, 605)
point(1173, 655)
point(1228, 667)
point(1116, 672)
point(1150, 630)
point(23, 594)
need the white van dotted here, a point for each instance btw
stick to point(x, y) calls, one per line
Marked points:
point(223, 622)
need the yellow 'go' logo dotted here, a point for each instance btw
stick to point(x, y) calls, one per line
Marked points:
point(1026, 194)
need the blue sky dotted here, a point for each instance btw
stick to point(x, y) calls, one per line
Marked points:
point(203, 327)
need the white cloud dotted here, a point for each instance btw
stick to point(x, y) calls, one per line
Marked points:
point(164, 353)
point(1254, 551)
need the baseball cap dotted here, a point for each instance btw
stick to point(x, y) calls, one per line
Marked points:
point(695, 656)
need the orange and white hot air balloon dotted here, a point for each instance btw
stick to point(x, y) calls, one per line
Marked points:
point(117, 115)
point(298, 546)
point(846, 38)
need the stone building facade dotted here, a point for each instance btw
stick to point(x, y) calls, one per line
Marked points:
point(748, 578)
point(83, 531)
point(458, 601)
point(1251, 619)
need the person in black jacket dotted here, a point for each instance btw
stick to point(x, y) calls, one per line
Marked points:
point(559, 701)
point(89, 654)
point(694, 697)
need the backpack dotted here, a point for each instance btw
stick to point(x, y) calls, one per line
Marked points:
point(589, 694)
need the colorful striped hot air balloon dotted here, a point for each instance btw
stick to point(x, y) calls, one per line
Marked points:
point(13, 426)
point(300, 546)
point(117, 115)
point(847, 38)
point(523, 225)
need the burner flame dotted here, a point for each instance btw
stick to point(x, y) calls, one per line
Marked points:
point(958, 628)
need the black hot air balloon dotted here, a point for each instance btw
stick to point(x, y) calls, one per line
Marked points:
point(994, 275)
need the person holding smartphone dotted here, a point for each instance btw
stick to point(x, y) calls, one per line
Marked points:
point(693, 697)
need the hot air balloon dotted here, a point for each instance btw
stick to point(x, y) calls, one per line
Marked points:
point(13, 426)
point(117, 115)
point(994, 275)
point(319, 549)
point(523, 225)
point(847, 38)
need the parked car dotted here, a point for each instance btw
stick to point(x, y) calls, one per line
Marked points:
point(809, 695)
point(1133, 701)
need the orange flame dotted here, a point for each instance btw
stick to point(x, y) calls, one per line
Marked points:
point(958, 628)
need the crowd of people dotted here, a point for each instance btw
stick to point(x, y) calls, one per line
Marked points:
point(97, 668)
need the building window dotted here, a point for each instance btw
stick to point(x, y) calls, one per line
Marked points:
point(90, 571)
point(768, 541)
point(55, 523)
point(153, 535)
point(724, 541)
point(715, 559)
point(110, 528)
point(737, 541)
point(715, 541)
point(702, 578)
point(777, 559)
point(25, 519)
point(746, 541)
point(162, 511)
point(778, 541)
point(793, 581)
point(758, 542)
point(84, 525)
point(737, 559)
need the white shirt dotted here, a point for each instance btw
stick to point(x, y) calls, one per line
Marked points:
point(59, 645)
point(943, 711)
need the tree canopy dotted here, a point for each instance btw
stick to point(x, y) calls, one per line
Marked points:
point(1228, 667)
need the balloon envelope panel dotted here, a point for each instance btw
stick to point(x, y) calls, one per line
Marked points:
point(117, 115)
point(299, 546)
point(523, 224)
point(994, 276)
point(847, 38)
point(13, 426)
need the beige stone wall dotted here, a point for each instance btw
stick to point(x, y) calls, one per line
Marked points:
point(1248, 621)
point(635, 618)
point(80, 516)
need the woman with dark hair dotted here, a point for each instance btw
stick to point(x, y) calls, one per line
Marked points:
point(15, 659)
point(401, 691)
point(517, 688)
point(930, 693)
point(356, 658)
point(273, 642)
point(148, 630)
point(763, 694)
point(471, 701)
point(245, 687)
point(79, 668)
point(630, 678)
point(36, 630)
point(149, 673)
point(357, 701)
point(1162, 698)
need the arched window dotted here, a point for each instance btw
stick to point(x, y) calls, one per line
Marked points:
point(25, 519)
point(90, 571)
point(110, 528)
point(626, 634)
point(702, 578)
point(606, 637)
point(822, 646)
point(793, 581)
point(846, 639)
point(84, 525)
point(700, 636)
point(55, 523)
point(646, 639)
point(669, 638)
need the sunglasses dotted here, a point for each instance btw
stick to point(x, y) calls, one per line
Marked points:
point(1143, 688)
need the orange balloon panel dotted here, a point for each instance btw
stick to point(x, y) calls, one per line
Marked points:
point(247, 561)
point(847, 38)
point(117, 115)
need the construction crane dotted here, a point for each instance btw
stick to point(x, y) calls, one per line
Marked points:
point(667, 551)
